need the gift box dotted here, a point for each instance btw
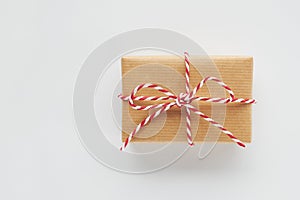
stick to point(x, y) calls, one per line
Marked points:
point(235, 71)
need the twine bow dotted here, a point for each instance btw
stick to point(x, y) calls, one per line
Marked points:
point(181, 100)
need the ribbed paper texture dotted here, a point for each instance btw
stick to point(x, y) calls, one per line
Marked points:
point(235, 71)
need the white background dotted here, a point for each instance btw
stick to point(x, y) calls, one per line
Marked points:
point(44, 43)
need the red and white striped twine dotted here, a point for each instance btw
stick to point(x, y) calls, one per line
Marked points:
point(183, 99)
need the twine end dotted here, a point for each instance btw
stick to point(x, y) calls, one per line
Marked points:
point(241, 144)
point(191, 144)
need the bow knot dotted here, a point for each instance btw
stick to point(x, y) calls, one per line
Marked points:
point(183, 99)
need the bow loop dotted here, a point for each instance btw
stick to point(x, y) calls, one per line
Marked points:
point(156, 87)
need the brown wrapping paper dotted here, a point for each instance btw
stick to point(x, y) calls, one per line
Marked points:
point(235, 71)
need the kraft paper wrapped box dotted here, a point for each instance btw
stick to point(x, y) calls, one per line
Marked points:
point(235, 71)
